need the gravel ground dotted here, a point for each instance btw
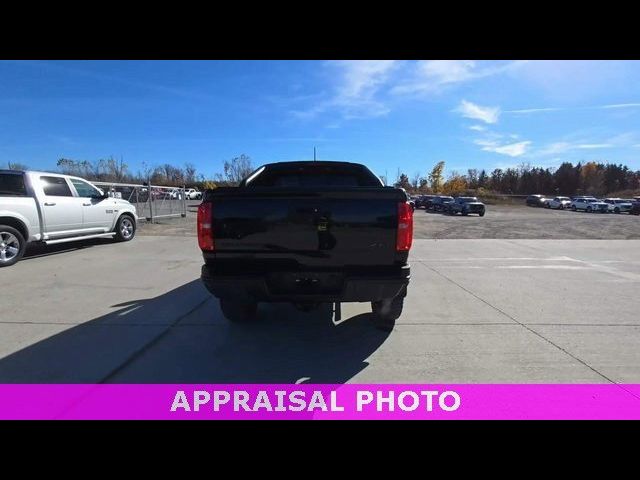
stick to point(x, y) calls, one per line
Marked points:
point(501, 221)
point(521, 222)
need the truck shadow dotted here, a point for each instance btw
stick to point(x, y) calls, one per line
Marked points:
point(182, 337)
point(37, 250)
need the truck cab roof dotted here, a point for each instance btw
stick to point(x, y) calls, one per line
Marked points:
point(311, 173)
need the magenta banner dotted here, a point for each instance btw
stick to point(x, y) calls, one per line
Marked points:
point(322, 402)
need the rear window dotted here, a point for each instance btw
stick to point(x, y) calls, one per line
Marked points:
point(313, 176)
point(12, 184)
point(55, 187)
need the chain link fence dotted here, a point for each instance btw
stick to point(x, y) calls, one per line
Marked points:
point(152, 202)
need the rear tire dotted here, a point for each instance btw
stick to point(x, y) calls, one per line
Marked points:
point(12, 246)
point(574, 208)
point(589, 209)
point(238, 310)
point(125, 228)
point(481, 214)
point(386, 312)
point(616, 210)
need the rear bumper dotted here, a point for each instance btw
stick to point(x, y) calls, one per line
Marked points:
point(352, 288)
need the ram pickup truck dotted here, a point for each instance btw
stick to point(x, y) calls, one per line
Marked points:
point(52, 208)
point(307, 233)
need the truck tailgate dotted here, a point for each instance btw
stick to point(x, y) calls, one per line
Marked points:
point(324, 228)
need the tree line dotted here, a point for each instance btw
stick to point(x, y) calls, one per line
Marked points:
point(594, 178)
point(116, 170)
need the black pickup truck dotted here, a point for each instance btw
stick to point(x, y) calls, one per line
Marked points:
point(307, 233)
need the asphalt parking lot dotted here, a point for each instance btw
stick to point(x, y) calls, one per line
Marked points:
point(478, 311)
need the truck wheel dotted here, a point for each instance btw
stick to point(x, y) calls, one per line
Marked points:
point(125, 228)
point(12, 245)
point(238, 310)
point(386, 312)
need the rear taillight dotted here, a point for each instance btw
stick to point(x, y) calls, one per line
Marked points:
point(405, 227)
point(205, 226)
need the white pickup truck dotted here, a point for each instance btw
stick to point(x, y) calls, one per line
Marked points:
point(192, 194)
point(53, 208)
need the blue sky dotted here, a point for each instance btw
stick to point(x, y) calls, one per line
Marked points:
point(386, 114)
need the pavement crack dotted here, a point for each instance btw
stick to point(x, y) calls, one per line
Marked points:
point(531, 330)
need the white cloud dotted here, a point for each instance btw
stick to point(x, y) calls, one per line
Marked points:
point(589, 146)
point(557, 109)
point(579, 142)
point(486, 143)
point(512, 149)
point(533, 110)
point(621, 105)
point(357, 84)
point(361, 78)
point(555, 148)
point(624, 139)
point(431, 76)
point(478, 128)
point(477, 112)
point(368, 88)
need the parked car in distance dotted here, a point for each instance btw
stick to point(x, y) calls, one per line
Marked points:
point(175, 194)
point(589, 204)
point(440, 203)
point(51, 208)
point(466, 205)
point(635, 208)
point(618, 205)
point(192, 194)
point(423, 200)
point(536, 200)
point(559, 203)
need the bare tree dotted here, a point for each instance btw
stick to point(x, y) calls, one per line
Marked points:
point(415, 180)
point(189, 173)
point(237, 169)
point(17, 166)
point(472, 177)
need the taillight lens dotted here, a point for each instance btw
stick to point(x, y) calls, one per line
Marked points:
point(404, 236)
point(205, 226)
